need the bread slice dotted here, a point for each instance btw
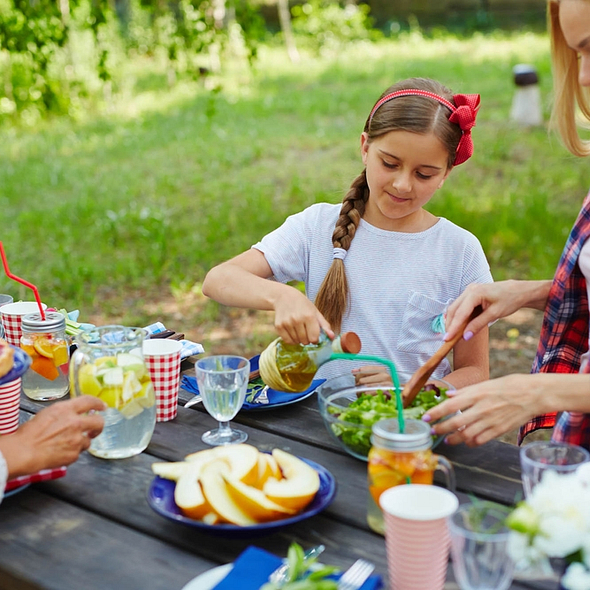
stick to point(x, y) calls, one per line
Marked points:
point(6, 357)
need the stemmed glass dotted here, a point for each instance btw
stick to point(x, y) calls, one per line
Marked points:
point(223, 381)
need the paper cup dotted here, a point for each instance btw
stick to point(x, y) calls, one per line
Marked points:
point(11, 316)
point(9, 411)
point(417, 536)
point(162, 357)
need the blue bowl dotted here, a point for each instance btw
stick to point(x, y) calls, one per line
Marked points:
point(22, 361)
point(160, 497)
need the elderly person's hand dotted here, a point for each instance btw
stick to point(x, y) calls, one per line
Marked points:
point(54, 437)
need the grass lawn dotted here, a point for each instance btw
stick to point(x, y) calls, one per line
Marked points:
point(122, 212)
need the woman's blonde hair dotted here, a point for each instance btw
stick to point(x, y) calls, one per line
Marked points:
point(566, 86)
point(417, 114)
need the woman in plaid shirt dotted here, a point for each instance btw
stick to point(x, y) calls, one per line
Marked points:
point(557, 393)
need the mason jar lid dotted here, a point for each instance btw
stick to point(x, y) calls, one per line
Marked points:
point(53, 322)
point(416, 435)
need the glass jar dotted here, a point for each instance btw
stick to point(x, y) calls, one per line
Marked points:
point(45, 341)
point(109, 364)
point(292, 367)
point(397, 458)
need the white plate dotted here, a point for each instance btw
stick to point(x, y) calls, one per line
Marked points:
point(209, 579)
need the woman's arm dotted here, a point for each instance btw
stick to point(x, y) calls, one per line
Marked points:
point(492, 408)
point(244, 281)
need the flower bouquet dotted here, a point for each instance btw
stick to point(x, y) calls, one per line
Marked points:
point(552, 526)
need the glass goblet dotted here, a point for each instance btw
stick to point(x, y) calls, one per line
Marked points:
point(223, 381)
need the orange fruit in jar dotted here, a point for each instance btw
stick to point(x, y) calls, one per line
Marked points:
point(30, 350)
point(44, 346)
point(45, 367)
point(60, 354)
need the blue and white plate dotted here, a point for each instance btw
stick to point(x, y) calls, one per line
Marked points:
point(22, 361)
point(161, 498)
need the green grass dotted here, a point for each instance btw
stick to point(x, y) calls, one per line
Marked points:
point(145, 196)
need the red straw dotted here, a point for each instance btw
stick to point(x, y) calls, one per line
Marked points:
point(22, 281)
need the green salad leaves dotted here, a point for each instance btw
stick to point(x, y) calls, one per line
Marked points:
point(368, 409)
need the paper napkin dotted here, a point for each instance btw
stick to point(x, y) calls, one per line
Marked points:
point(253, 566)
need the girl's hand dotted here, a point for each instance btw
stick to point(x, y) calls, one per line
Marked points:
point(498, 300)
point(297, 320)
point(372, 375)
point(488, 409)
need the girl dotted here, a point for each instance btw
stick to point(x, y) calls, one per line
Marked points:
point(379, 264)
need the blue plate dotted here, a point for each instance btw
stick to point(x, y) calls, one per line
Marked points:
point(161, 498)
point(22, 361)
point(16, 490)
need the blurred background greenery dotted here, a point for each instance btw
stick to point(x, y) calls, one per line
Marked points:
point(141, 143)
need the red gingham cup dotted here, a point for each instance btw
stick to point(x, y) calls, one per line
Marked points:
point(9, 406)
point(162, 358)
point(416, 535)
point(11, 316)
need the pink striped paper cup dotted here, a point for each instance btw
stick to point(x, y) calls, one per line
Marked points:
point(11, 315)
point(417, 536)
point(10, 400)
point(162, 357)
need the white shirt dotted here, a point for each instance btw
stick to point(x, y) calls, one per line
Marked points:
point(398, 282)
point(584, 264)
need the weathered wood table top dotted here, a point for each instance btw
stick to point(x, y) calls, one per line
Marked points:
point(94, 529)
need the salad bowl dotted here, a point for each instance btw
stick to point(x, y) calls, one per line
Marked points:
point(349, 410)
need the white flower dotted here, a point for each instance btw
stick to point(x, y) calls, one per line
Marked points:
point(554, 521)
point(577, 577)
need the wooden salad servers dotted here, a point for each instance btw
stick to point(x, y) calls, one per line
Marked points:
point(420, 377)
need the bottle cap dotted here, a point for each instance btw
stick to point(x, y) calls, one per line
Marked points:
point(416, 435)
point(350, 343)
point(33, 322)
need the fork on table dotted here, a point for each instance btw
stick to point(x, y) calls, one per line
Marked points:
point(356, 575)
point(262, 397)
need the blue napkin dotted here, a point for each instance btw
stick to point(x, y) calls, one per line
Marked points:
point(274, 396)
point(253, 566)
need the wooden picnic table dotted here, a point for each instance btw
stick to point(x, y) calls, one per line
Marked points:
point(93, 528)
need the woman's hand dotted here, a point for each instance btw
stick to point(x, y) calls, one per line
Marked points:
point(54, 437)
point(497, 300)
point(297, 320)
point(488, 409)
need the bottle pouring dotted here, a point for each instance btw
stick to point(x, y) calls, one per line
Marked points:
point(291, 367)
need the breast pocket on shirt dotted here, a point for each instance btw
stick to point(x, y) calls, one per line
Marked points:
point(417, 335)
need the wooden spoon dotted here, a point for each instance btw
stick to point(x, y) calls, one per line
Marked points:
point(421, 376)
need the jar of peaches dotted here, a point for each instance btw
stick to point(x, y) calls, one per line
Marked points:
point(397, 458)
point(45, 341)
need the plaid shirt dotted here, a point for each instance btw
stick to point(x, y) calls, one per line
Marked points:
point(564, 334)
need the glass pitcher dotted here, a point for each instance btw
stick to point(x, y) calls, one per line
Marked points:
point(397, 458)
point(109, 364)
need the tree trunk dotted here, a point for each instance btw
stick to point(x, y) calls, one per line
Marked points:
point(285, 20)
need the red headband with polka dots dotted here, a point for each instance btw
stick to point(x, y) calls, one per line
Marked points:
point(463, 114)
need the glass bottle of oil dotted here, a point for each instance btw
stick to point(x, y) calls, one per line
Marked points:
point(291, 367)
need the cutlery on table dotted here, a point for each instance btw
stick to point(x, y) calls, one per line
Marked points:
point(356, 575)
point(279, 576)
point(262, 397)
point(194, 401)
point(421, 376)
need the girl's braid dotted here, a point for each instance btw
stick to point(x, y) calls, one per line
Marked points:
point(332, 298)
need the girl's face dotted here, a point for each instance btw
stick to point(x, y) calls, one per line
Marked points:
point(404, 170)
point(574, 19)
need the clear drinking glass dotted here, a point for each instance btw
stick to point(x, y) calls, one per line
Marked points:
point(479, 543)
point(538, 457)
point(223, 381)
